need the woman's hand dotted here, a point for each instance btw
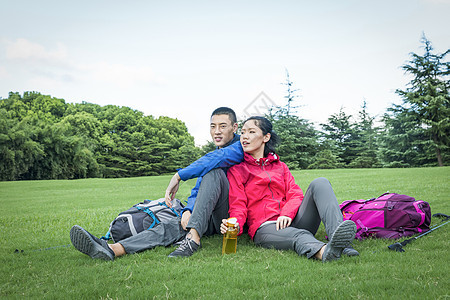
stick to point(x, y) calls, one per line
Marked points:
point(283, 222)
point(224, 226)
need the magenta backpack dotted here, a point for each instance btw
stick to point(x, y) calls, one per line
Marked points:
point(390, 216)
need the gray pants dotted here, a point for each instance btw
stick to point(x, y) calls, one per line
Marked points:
point(319, 204)
point(163, 234)
point(211, 205)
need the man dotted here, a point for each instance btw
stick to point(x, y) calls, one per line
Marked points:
point(207, 205)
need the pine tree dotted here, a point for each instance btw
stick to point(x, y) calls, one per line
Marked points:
point(403, 143)
point(426, 100)
point(291, 95)
point(364, 138)
point(299, 139)
point(339, 133)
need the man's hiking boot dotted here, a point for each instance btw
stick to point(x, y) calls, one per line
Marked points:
point(187, 248)
point(350, 251)
point(88, 244)
point(342, 238)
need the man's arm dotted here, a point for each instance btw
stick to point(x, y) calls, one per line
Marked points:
point(219, 158)
point(172, 189)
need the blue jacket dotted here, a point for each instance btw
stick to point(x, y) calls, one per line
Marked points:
point(220, 158)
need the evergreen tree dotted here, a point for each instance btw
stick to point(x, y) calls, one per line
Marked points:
point(364, 139)
point(426, 100)
point(403, 143)
point(299, 142)
point(326, 159)
point(339, 135)
point(299, 139)
point(291, 94)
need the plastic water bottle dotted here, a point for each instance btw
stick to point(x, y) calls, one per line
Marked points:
point(230, 237)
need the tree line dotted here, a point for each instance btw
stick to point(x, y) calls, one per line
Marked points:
point(413, 134)
point(43, 137)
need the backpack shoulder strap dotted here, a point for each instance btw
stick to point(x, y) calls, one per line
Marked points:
point(151, 214)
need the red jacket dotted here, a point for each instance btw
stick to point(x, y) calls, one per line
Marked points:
point(262, 190)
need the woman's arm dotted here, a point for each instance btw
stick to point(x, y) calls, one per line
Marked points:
point(237, 197)
point(294, 194)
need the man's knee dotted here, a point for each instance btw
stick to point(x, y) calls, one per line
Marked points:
point(215, 178)
point(214, 174)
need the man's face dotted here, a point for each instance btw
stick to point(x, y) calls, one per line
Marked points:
point(222, 129)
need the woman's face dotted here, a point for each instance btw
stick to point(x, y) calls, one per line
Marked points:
point(253, 140)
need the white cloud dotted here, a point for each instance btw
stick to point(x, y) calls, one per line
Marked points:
point(23, 49)
point(55, 67)
point(119, 75)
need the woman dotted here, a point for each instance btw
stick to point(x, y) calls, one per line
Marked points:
point(264, 195)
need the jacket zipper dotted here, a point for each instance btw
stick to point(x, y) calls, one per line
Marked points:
point(268, 185)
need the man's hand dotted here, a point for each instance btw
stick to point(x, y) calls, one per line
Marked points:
point(185, 219)
point(172, 189)
point(283, 222)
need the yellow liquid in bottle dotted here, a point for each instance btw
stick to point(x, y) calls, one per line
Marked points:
point(229, 241)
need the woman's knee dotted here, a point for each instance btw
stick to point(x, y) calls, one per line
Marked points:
point(318, 182)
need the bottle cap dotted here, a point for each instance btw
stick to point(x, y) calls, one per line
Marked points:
point(232, 221)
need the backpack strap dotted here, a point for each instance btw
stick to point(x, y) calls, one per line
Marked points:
point(171, 208)
point(107, 236)
point(147, 206)
point(385, 196)
point(151, 214)
point(417, 206)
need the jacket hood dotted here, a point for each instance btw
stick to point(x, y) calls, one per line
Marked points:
point(270, 158)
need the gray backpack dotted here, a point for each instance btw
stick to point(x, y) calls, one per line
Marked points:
point(142, 216)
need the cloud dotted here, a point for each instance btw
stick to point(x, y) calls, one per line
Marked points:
point(49, 66)
point(121, 76)
point(25, 50)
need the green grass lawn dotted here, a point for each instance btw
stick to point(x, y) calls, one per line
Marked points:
point(37, 215)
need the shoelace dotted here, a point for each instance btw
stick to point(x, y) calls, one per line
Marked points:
point(185, 244)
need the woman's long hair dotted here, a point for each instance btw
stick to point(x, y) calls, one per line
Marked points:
point(266, 127)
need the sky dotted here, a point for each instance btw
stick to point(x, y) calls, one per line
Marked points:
point(183, 59)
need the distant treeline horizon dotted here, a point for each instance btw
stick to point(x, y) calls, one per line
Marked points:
point(43, 137)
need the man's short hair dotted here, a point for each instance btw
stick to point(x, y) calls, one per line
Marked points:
point(226, 111)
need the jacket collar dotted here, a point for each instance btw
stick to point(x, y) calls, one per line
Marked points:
point(270, 158)
point(236, 138)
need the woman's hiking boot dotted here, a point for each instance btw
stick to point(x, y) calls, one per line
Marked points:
point(350, 251)
point(342, 238)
